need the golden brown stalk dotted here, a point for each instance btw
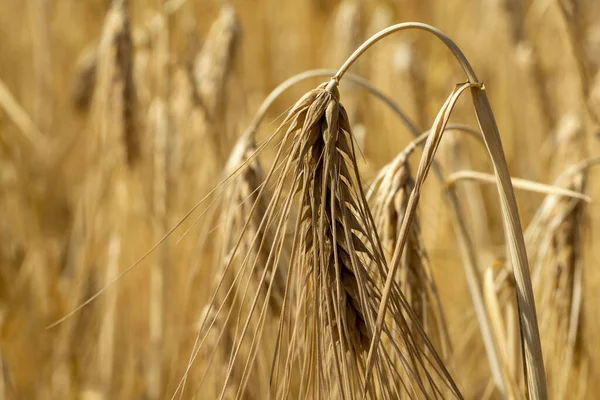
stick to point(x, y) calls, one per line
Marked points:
point(533, 357)
point(521, 184)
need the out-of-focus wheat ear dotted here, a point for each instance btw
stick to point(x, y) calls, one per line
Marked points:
point(84, 81)
point(115, 89)
point(527, 58)
point(556, 237)
point(214, 62)
point(498, 288)
point(124, 59)
point(212, 68)
point(344, 34)
point(389, 195)
point(571, 13)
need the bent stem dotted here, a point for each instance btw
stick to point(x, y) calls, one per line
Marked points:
point(522, 184)
point(458, 54)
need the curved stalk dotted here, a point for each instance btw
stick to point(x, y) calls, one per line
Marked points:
point(518, 183)
point(458, 54)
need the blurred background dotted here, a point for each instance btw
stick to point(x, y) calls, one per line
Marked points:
point(116, 117)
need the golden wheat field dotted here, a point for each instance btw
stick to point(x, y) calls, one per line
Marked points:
point(309, 199)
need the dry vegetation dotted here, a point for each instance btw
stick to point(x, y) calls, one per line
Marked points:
point(165, 233)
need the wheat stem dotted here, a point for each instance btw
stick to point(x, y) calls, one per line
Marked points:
point(517, 183)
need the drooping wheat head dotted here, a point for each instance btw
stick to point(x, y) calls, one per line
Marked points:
point(389, 196)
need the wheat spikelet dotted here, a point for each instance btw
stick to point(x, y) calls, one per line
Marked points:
point(558, 267)
point(390, 192)
point(326, 171)
point(556, 236)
